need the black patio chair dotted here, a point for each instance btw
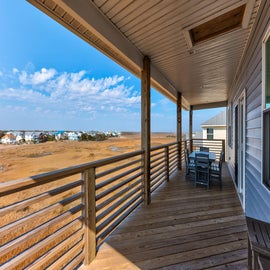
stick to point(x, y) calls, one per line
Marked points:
point(204, 149)
point(216, 170)
point(189, 163)
point(202, 164)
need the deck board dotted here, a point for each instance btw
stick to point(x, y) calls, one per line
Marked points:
point(185, 227)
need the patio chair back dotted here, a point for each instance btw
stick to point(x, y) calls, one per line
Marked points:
point(190, 165)
point(204, 149)
point(216, 170)
point(202, 169)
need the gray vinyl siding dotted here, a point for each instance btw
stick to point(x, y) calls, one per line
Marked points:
point(257, 203)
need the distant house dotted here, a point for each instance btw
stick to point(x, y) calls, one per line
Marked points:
point(9, 138)
point(215, 127)
point(30, 136)
point(112, 133)
point(60, 135)
point(73, 136)
point(20, 138)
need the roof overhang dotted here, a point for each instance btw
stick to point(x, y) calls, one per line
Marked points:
point(209, 105)
point(83, 19)
point(126, 32)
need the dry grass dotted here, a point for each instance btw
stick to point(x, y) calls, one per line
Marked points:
point(26, 160)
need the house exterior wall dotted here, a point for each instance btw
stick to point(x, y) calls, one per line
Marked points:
point(219, 132)
point(249, 79)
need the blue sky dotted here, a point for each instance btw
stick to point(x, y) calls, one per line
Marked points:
point(51, 79)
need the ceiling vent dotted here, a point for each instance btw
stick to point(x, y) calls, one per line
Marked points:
point(220, 25)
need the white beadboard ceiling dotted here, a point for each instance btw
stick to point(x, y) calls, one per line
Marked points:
point(126, 30)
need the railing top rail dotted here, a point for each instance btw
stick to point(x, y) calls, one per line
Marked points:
point(22, 183)
point(162, 146)
point(206, 140)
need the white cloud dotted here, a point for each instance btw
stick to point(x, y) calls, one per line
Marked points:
point(73, 93)
point(134, 100)
point(38, 77)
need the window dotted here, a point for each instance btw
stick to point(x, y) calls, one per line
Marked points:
point(267, 73)
point(266, 148)
point(229, 124)
point(210, 134)
point(266, 112)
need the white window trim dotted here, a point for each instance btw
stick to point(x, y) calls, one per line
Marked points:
point(243, 96)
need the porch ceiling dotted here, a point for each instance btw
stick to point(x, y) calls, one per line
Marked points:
point(125, 30)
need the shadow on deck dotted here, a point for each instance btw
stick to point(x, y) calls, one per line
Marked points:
point(185, 227)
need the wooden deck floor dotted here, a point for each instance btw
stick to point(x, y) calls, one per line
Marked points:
point(185, 227)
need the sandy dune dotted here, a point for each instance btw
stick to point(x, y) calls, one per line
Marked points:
point(18, 161)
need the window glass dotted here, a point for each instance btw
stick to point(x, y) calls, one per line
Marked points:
point(267, 74)
point(210, 134)
point(229, 125)
point(266, 117)
point(266, 147)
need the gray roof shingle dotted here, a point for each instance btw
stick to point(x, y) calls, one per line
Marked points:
point(217, 120)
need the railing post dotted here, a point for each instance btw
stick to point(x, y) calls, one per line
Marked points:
point(223, 150)
point(191, 128)
point(179, 147)
point(167, 163)
point(191, 145)
point(146, 131)
point(89, 191)
point(179, 129)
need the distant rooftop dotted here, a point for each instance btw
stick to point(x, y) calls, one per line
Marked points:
point(217, 120)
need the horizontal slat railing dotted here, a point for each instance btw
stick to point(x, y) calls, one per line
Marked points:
point(164, 160)
point(173, 157)
point(58, 219)
point(39, 228)
point(214, 145)
point(117, 194)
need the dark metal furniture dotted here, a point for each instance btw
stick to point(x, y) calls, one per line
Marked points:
point(259, 244)
point(216, 171)
point(190, 164)
point(204, 149)
point(202, 164)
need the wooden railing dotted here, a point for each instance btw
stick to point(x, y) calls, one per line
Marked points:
point(164, 161)
point(58, 219)
point(214, 145)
